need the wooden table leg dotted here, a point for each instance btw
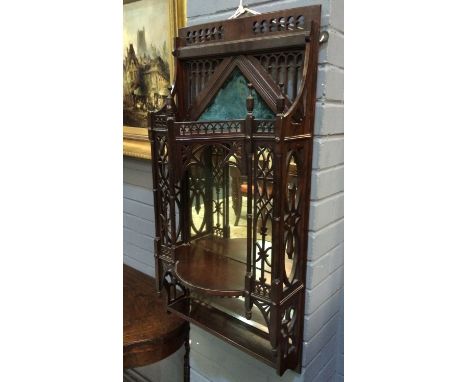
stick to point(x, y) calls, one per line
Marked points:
point(236, 193)
point(187, 356)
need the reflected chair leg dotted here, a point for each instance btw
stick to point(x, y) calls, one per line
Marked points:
point(236, 194)
point(187, 356)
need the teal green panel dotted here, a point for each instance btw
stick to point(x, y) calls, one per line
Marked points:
point(229, 102)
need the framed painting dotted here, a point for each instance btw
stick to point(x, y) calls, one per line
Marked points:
point(149, 28)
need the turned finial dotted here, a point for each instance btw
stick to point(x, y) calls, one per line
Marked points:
point(280, 101)
point(250, 99)
point(170, 99)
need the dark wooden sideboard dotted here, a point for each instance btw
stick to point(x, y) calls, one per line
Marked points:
point(150, 333)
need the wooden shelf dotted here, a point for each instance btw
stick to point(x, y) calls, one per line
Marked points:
point(236, 332)
point(214, 266)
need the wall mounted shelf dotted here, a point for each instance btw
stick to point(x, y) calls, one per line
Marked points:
point(231, 156)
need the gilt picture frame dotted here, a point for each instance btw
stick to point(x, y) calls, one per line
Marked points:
point(149, 28)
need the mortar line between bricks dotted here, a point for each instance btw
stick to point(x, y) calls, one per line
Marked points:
point(139, 201)
point(143, 165)
point(139, 261)
point(341, 32)
point(332, 338)
point(139, 172)
point(336, 135)
point(325, 100)
point(318, 332)
point(332, 137)
point(326, 197)
point(139, 217)
point(148, 187)
point(128, 213)
point(218, 366)
point(326, 63)
point(330, 27)
point(201, 375)
point(136, 245)
point(326, 226)
point(250, 359)
point(312, 262)
point(319, 374)
point(328, 299)
point(199, 372)
point(328, 168)
point(138, 232)
point(323, 281)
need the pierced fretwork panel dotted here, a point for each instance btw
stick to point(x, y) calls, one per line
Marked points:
point(214, 184)
point(165, 228)
point(162, 168)
point(175, 290)
point(289, 331)
point(264, 126)
point(220, 192)
point(209, 127)
point(198, 180)
point(198, 73)
point(211, 34)
point(263, 216)
point(286, 22)
point(285, 68)
point(262, 289)
point(265, 310)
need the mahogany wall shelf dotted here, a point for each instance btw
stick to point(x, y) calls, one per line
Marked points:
point(231, 156)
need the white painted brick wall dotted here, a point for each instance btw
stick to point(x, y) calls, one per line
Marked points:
point(327, 182)
point(320, 292)
point(212, 360)
point(321, 359)
point(138, 215)
point(339, 375)
point(327, 210)
point(330, 83)
point(322, 241)
point(328, 152)
point(329, 118)
point(333, 51)
point(314, 345)
point(314, 322)
point(336, 15)
point(201, 11)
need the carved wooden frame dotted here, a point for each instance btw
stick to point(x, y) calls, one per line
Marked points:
point(135, 139)
point(175, 135)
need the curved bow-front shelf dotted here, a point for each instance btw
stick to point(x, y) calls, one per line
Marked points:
point(214, 266)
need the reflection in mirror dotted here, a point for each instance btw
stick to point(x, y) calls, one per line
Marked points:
point(235, 307)
point(197, 187)
point(218, 220)
point(263, 212)
point(218, 204)
point(291, 220)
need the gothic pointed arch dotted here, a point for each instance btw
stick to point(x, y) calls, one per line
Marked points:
point(251, 69)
